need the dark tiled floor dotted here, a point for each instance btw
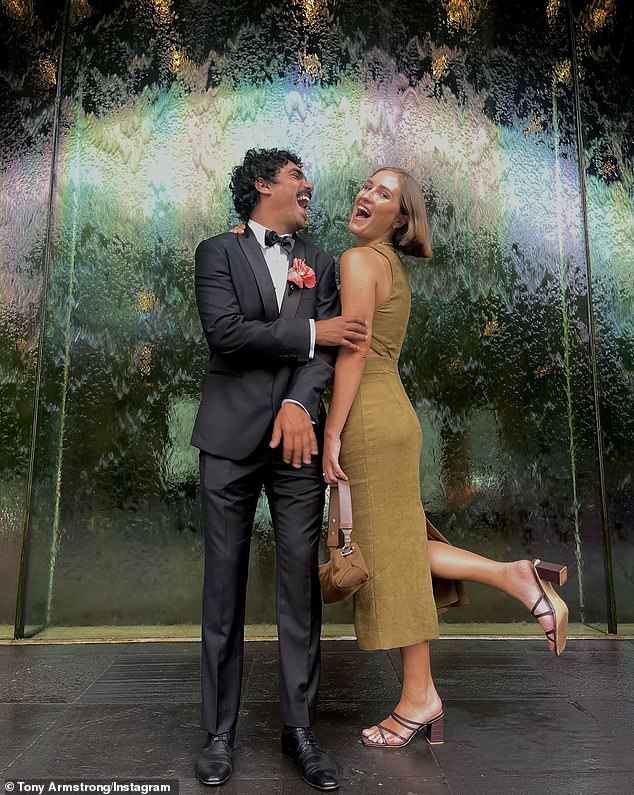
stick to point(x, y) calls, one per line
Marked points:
point(518, 720)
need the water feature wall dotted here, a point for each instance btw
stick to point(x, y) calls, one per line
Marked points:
point(121, 122)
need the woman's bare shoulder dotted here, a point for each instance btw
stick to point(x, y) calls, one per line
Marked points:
point(363, 265)
point(361, 259)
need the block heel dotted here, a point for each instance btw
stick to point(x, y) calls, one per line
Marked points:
point(545, 574)
point(556, 573)
point(435, 731)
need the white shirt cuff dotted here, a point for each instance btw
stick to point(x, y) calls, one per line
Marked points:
point(311, 353)
point(297, 403)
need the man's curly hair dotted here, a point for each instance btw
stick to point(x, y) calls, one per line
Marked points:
point(264, 163)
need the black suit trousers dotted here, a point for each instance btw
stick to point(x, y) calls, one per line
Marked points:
point(229, 496)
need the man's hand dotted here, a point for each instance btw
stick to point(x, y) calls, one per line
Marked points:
point(345, 331)
point(294, 429)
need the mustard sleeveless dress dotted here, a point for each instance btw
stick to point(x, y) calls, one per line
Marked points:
point(380, 452)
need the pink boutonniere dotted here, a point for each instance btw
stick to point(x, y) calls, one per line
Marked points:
point(300, 274)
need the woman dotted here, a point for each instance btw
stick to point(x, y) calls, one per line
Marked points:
point(373, 439)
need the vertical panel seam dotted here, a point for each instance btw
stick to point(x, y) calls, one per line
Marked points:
point(605, 527)
point(46, 268)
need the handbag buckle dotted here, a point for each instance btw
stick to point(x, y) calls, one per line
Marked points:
point(347, 550)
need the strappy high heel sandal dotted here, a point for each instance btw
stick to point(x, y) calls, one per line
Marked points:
point(545, 574)
point(434, 732)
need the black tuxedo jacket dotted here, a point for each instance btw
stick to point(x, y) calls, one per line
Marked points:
point(259, 355)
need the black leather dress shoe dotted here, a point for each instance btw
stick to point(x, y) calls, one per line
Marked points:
point(215, 763)
point(315, 766)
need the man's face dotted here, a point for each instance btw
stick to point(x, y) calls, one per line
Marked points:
point(287, 199)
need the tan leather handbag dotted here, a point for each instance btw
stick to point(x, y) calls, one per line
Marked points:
point(346, 571)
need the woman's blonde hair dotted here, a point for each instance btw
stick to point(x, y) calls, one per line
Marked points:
point(413, 237)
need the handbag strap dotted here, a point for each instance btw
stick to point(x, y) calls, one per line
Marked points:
point(339, 514)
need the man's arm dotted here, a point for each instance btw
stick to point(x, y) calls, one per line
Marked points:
point(227, 331)
point(293, 426)
point(310, 380)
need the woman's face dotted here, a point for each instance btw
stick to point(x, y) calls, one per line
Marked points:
point(377, 208)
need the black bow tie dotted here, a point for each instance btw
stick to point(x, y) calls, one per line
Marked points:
point(271, 238)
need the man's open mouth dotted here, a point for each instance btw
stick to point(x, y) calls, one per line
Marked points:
point(303, 199)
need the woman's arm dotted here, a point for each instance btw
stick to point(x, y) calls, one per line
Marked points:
point(360, 273)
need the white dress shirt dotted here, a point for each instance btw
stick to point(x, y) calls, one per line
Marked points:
point(278, 260)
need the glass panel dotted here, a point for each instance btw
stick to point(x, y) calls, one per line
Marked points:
point(477, 100)
point(604, 30)
point(30, 34)
point(498, 341)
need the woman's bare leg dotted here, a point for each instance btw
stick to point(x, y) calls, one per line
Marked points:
point(419, 700)
point(515, 578)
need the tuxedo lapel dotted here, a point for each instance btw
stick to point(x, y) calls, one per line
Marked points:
point(253, 252)
point(290, 302)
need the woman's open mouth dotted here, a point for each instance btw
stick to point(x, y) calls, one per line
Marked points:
point(362, 213)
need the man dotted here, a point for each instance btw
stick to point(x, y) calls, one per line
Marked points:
point(269, 308)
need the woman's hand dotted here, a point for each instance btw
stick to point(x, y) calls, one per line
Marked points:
point(238, 229)
point(330, 461)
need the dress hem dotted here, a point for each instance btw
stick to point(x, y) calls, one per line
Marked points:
point(409, 641)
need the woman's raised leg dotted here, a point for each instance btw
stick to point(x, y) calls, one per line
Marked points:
point(517, 578)
point(420, 703)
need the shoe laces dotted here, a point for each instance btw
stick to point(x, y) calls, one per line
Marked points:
point(306, 737)
point(224, 737)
